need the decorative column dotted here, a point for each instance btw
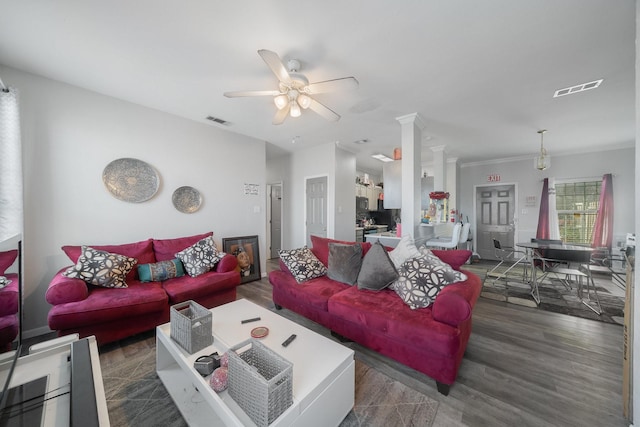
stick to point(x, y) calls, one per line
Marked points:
point(439, 168)
point(411, 137)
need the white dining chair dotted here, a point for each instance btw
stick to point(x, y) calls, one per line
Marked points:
point(445, 243)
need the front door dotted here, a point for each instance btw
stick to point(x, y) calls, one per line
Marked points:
point(316, 208)
point(495, 218)
point(276, 220)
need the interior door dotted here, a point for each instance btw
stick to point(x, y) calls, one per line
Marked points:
point(316, 221)
point(276, 220)
point(495, 218)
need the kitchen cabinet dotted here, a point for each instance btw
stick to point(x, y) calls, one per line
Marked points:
point(371, 193)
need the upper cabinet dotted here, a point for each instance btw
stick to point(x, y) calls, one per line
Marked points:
point(371, 193)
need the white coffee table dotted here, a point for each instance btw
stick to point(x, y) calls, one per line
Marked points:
point(323, 371)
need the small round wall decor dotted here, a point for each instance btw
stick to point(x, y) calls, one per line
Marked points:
point(131, 180)
point(186, 199)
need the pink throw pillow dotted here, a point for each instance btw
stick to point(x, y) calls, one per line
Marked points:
point(7, 259)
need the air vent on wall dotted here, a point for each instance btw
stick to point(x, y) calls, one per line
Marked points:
point(577, 88)
point(217, 120)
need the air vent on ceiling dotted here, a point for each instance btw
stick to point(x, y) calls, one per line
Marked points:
point(217, 120)
point(577, 88)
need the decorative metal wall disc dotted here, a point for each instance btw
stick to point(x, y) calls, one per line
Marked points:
point(187, 199)
point(131, 180)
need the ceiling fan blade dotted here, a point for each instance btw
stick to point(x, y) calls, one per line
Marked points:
point(275, 63)
point(324, 111)
point(239, 93)
point(278, 119)
point(335, 85)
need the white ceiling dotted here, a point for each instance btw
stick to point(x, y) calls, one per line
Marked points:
point(481, 74)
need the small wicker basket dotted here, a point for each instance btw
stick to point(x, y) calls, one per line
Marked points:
point(191, 326)
point(260, 381)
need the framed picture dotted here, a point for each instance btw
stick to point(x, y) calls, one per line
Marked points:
point(246, 250)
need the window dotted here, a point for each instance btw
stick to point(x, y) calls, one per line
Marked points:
point(577, 206)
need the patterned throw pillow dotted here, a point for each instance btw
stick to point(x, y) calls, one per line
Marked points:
point(452, 274)
point(101, 268)
point(4, 282)
point(302, 264)
point(160, 271)
point(421, 280)
point(200, 257)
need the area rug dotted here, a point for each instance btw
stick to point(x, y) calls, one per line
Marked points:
point(554, 296)
point(136, 396)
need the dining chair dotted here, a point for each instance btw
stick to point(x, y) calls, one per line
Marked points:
point(508, 254)
point(444, 243)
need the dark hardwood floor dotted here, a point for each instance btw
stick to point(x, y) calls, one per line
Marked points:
point(523, 367)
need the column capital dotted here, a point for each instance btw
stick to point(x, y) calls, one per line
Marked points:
point(438, 148)
point(412, 118)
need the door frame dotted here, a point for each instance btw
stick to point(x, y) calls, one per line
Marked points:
point(282, 211)
point(329, 206)
point(516, 218)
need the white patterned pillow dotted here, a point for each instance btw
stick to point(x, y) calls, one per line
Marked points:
point(452, 275)
point(4, 281)
point(302, 264)
point(101, 268)
point(421, 280)
point(200, 257)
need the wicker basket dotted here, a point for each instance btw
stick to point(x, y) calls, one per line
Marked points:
point(191, 326)
point(260, 381)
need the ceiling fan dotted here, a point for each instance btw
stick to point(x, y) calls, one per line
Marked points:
point(294, 90)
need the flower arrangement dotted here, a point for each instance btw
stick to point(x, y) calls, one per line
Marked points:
point(438, 195)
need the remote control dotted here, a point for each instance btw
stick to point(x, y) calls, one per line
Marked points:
point(255, 319)
point(288, 341)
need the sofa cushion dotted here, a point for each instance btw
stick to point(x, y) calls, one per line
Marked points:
point(384, 313)
point(142, 251)
point(302, 264)
point(106, 305)
point(344, 262)
point(455, 258)
point(405, 249)
point(159, 271)
point(315, 292)
point(101, 268)
point(7, 259)
point(200, 257)
point(186, 288)
point(166, 249)
point(377, 270)
point(320, 247)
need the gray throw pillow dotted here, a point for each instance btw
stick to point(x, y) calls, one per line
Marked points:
point(377, 270)
point(344, 262)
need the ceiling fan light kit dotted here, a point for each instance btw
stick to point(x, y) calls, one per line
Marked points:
point(543, 161)
point(295, 90)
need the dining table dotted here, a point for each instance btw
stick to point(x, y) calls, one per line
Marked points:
point(561, 259)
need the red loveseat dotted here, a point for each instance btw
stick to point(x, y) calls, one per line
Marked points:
point(112, 314)
point(431, 340)
point(9, 323)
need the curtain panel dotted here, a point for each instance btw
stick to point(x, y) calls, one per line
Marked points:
point(603, 229)
point(11, 204)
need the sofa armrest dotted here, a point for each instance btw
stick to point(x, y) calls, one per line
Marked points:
point(227, 263)
point(451, 308)
point(65, 289)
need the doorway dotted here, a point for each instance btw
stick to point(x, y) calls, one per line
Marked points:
point(275, 219)
point(495, 217)
point(316, 208)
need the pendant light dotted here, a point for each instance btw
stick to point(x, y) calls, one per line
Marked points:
point(543, 161)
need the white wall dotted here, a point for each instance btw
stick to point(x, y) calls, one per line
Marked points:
point(69, 135)
point(529, 183)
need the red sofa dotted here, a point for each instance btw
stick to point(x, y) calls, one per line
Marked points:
point(431, 340)
point(112, 314)
point(9, 324)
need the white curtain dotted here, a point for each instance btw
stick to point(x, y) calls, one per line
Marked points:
point(10, 165)
point(554, 228)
